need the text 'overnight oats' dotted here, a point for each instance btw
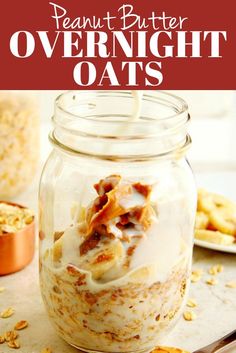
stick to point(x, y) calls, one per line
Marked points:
point(107, 281)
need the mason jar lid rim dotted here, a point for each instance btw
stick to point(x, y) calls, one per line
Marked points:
point(163, 97)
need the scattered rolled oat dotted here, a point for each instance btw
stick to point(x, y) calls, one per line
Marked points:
point(10, 335)
point(195, 278)
point(231, 284)
point(211, 281)
point(198, 271)
point(220, 268)
point(7, 313)
point(2, 289)
point(46, 350)
point(191, 303)
point(214, 270)
point(21, 325)
point(196, 275)
point(189, 315)
point(14, 344)
point(2, 339)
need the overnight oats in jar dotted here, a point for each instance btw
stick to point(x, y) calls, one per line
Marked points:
point(117, 209)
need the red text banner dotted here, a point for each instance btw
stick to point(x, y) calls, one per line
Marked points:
point(118, 44)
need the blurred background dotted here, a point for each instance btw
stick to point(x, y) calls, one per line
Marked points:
point(26, 121)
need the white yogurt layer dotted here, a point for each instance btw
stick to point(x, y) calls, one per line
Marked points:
point(161, 248)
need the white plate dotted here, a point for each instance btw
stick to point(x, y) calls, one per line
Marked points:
point(217, 247)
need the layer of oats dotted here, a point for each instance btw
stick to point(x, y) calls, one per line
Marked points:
point(127, 315)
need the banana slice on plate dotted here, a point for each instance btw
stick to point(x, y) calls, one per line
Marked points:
point(208, 201)
point(100, 260)
point(202, 220)
point(215, 237)
point(224, 220)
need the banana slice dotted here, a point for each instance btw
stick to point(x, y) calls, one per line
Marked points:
point(167, 350)
point(208, 201)
point(78, 213)
point(142, 274)
point(224, 220)
point(202, 220)
point(100, 260)
point(57, 250)
point(215, 237)
point(82, 215)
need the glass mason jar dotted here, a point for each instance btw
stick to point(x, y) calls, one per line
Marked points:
point(117, 209)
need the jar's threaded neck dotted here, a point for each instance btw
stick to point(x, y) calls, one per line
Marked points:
point(99, 123)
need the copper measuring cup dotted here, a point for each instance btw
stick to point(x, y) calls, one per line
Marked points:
point(17, 249)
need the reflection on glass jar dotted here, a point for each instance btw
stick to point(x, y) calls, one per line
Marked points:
point(117, 208)
point(19, 142)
